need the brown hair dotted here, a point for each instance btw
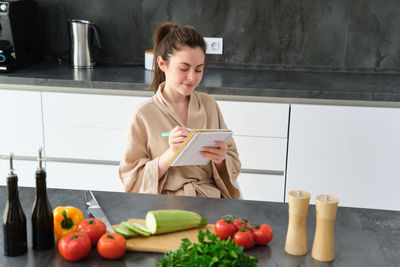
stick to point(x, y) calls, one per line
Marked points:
point(168, 38)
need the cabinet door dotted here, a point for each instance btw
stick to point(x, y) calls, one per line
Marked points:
point(260, 133)
point(262, 153)
point(261, 187)
point(350, 152)
point(86, 126)
point(24, 169)
point(21, 122)
point(255, 119)
point(83, 176)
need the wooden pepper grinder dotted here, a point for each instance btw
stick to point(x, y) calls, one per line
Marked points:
point(296, 238)
point(324, 243)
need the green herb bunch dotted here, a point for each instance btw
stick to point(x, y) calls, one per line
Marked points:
point(209, 252)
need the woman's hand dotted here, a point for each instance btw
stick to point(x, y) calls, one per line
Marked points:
point(177, 136)
point(217, 154)
point(175, 140)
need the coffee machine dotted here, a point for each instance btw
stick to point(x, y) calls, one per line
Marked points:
point(20, 34)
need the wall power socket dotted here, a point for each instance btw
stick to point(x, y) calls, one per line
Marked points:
point(214, 45)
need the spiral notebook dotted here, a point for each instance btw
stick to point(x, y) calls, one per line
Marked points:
point(189, 152)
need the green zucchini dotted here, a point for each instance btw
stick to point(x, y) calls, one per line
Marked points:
point(134, 228)
point(166, 221)
point(125, 231)
point(139, 229)
point(125, 226)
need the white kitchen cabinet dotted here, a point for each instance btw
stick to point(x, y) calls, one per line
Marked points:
point(256, 119)
point(86, 126)
point(21, 122)
point(261, 187)
point(85, 143)
point(65, 175)
point(24, 169)
point(83, 176)
point(260, 132)
point(262, 153)
point(350, 152)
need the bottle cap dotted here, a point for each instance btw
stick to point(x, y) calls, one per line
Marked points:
point(11, 175)
point(40, 159)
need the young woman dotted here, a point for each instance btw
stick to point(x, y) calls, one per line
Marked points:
point(179, 54)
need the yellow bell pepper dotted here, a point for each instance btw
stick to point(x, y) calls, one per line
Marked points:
point(66, 219)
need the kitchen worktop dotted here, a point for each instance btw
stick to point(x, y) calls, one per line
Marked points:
point(224, 82)
point(363, 237)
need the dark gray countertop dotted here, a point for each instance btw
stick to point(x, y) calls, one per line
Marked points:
point(363, 237)
point(224, 81)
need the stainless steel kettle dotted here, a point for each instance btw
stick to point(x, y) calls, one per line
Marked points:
point(81, 50)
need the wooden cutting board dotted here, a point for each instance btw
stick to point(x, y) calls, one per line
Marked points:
point(164, 242)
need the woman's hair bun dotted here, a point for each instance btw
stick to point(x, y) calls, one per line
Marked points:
point(163, 30)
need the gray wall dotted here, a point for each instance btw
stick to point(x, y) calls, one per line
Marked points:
point(331, 35)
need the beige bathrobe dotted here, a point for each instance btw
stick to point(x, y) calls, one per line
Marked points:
point(138, 168)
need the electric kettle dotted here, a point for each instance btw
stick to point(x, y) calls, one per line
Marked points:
point(81, 49)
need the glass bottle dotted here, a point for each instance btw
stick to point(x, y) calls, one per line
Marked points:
point(14, 220)
point(42, 215)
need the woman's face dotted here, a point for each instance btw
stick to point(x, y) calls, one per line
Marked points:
point(184, 70)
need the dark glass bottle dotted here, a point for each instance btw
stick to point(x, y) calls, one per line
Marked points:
point(14, 220)
point(42, 215)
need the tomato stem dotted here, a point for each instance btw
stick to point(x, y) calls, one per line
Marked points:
point(228, 218)
point(110, 236)
point(75, 236)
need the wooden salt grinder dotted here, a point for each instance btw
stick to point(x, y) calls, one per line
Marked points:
point(324, 242)
point(296, 238)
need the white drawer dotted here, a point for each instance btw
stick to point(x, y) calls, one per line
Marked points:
point(84, 143)
point(87, 110)
point(256, 119)
point(262, 187)
point(83, 176)
point(261, 152)
point(21, 122)
point(25, 171)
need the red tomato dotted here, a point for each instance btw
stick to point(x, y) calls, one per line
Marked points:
point(244, 239)
point(111, 246)
point(93, 227)
point(238, 222)
point(224, 229)
point(74, 246)
point(263, 234)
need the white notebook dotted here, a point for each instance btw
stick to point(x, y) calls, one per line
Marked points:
point(189, 152)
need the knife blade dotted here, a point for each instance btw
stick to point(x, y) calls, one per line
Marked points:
point(95, 210)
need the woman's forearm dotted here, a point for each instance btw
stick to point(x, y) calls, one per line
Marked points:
point(163, 162)
point(221, 167)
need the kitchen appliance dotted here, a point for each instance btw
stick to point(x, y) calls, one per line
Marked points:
point(81, 40)
point(20, 34)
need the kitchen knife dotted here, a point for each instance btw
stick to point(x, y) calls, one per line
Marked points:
point(95, 210)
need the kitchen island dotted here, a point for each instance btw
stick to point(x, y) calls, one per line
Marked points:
point(364, 237)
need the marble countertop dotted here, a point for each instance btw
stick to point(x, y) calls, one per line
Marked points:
point(363, 237)
point(223, 82)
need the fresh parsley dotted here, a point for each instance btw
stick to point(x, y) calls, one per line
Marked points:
point(210, 251)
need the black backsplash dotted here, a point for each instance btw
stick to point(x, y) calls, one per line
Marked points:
point(340, 35)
